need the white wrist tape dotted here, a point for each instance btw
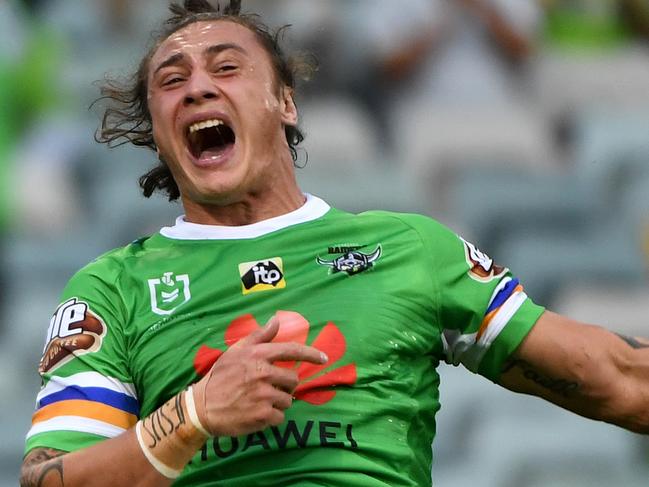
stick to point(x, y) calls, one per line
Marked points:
point(165, 470)
point(192, 413)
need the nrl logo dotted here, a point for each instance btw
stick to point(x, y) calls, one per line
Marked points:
point(352, 262)
point(169, 292)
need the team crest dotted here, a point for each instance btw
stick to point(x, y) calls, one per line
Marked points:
point(169, 292)
point(352, 262)
point(263, 275)
point(482, 267)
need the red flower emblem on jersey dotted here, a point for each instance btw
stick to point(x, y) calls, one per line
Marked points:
point(315, 380)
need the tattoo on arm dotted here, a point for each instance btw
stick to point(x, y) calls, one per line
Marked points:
point(562, 387)
point(41, 465)
point(636, 343)
point(164, 421)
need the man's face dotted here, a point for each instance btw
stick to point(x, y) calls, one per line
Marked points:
point(218, 112)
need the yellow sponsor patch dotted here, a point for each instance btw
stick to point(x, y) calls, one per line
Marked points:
point(262, 275)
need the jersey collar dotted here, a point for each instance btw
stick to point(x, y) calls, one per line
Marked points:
point(312, 209)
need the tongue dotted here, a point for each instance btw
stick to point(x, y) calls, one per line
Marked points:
point(215, 152)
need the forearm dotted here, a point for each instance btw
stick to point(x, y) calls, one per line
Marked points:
point(118, 461)
point(585, 369)
point(243, 392)
point(168, 435)
point(630, 407)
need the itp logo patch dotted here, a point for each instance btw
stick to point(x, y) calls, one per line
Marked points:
point(316, 380)
point(263, 275)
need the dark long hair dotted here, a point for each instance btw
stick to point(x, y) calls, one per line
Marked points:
point(128, 119)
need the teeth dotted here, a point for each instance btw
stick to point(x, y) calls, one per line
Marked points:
point(206, 124)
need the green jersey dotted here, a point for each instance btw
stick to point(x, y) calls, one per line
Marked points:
point(387, 296)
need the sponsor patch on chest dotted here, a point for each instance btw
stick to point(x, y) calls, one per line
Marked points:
point(262, 275)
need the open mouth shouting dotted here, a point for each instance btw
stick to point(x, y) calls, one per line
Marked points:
point(210, 141)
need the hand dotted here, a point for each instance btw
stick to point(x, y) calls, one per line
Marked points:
point(244, 391)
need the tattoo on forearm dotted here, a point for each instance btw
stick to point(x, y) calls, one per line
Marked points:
point(163, 421)
point(636, 343)
point(40, 466)
point(560, 386)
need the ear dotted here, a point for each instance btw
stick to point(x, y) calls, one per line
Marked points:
point(287, 107)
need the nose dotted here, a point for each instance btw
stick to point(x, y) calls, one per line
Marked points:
point(200, 88)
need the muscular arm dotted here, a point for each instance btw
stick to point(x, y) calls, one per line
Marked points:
point(585, 369)
point(115, 462)
point(243, 392)
point(40, 466)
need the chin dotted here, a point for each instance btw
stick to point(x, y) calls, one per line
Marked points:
point(215, 195)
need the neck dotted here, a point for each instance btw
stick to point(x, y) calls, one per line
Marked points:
point(247, 209)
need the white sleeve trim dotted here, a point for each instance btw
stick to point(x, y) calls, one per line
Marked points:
point(76, 423)
point(466, 350)
point(85, 379)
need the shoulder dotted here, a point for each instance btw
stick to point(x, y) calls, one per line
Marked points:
point(426, 233)
point(424, 226)
point(108, 267)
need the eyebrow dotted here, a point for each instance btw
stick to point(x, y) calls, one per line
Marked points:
point(214, 49)
point(219, 48)
point(174, 59)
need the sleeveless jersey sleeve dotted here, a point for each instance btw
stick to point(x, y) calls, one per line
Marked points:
point(482, 309)
point(87, 393)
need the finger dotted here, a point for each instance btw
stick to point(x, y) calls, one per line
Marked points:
point(263, 335)
point(276, 417)
point(282, 400)
point(284, 379)
point(289, 351)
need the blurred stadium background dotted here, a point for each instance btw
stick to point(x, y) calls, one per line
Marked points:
point(521, 124)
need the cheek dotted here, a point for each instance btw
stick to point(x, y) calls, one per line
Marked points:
point(162, 123)
point(271, 102)
point(264, 100)
point(160, 119)
point(157, 130)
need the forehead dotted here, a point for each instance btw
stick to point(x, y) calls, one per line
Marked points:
point(195, 38)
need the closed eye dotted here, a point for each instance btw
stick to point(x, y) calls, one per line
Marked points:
point(226, 68)
point(171, 81)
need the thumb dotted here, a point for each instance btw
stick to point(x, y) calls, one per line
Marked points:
point(264, 334)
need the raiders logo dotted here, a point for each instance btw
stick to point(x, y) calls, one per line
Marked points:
point(353, 262)
point(73, 331)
